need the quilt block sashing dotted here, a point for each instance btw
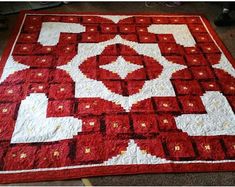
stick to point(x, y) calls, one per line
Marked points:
point(89, 94)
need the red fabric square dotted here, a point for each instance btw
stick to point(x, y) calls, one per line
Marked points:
point(127, 28)
point(110, 50)
point(37, 88)
point(187, 87)
point(102, 20)
point(90, 37)
point(104, 74)
point(138, 74)
point(160, 20)
point(111, 107)
point(114, 86)
point(35, 19)
point(202, 37)
point(193, 20)
point(66, 49)
point(93, 73)
point(177, 20)
point(192, 50)
point(209, 148)
point(105, 37)
point(151, 146)
point(130, 37)
point(105, 59)
point(195, 60)
point(59, 76)
point(210, 86)
point(209, 48)
point(166, 104)
point(28, 38)
point(43, 61)
point(129, 20)
point(23, 49)
point(192, 104)
point(134, 86)
point(91, 28)
point(142, 20)
point(141, 29)
point(90, 124)
point(166, 38)
point(228, 88)
point(108, 28)
point(202, 72)
point(114, 147)
point(182, 74)
point(61, 91)
point(24, 59)
point(213, 58)
point(147, 38)
point(126, 50)
point(179, 147)
point(143, 106)
point(89, 19)
point(38, 75)
point(16, 78)
point(20, 157)
point(223, 76)
point(91, 63)
point(144, 124)
point(151, 65)
point(53, 155)
point(6, 129)
point(152, 74)
point(117, 125)
point(89, 148)
point(51, 18)
point(39, 49)
point(67, 38)
point(176, 59)
point(169, 48)
point(32, 27)
point(229, 143)
point(59, 108)
point(71, 19)
point(87, 106)
point(166, 122)
point(197, 28)
point(11, 93)
point(7, 110)
point(133, 59)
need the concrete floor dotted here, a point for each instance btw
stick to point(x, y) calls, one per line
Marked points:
point(227, 34)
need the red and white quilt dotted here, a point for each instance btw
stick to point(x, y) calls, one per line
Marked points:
point(90, 94)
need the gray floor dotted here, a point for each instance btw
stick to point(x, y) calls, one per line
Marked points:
point(210, 10)
point(11, 8)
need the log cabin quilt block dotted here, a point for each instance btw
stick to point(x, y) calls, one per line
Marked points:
point(101, 94)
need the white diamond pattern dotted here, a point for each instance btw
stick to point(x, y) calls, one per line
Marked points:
point(121, 67)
